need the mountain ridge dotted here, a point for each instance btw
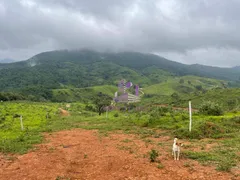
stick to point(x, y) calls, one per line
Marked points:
point(84, 68)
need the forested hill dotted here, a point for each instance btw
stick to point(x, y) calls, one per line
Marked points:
point(84, 68)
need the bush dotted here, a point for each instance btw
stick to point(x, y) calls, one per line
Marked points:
point(89, 108)
point(209, 129)
point(175, 96)
point(144, 123)
point(199, 87)
point(181, 81)
point(153, 154)
point(235, 119)
point(211, 108)
point(116, 115)
point(123, 109)
point(184, 116)
point(224, 166)
point(232, 103)
point(157, 112)
point(184, 133)
point(202, 130)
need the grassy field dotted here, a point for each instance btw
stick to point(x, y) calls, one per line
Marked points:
point(82, 94)
point(198, 91)
point(34, 117)
point(182, 85)
point(221, 133)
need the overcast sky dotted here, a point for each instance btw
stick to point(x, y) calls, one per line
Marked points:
point(188, 31)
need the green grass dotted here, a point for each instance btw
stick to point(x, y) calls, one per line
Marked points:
point(35, 121)
point(212, 90)
point(106, 89)
point(153, 154)
point(173, 85)
point(224, 158)
point(82, 94)
point(228, 98)
point(12, 138)
point(160, 166)
point(225, 129)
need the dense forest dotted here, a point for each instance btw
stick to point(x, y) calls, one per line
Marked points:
point(41, 74)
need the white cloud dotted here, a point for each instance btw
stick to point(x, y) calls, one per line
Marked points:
point(187, 31)
point(222, 57)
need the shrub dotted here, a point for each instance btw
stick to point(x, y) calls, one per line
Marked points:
point(184, 116)
point(232, 103)
point(224, 166)
point(123, 109)
point(144, 123)
point(202, 130)
point(211, 108)
point(184, 133)
point(157, 112)
point(160, 166)
point(2, 119)
point(153, 154)
point(116, 115)
point(209, 129)
point(181, 81)
point(175, 96)
point(199, 87)
point(89, 108)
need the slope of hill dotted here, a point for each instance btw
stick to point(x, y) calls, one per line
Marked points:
point(184, 85)
point(84, 68)
point(228, 98)
point(81, 94)
point(178, 90)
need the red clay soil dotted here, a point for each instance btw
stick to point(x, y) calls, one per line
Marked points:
point(88, 155)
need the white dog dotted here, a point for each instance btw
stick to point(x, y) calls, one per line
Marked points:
point(176, 149)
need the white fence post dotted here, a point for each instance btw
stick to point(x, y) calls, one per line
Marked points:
point(107, 113)
point(21, 121)
point(190, 116)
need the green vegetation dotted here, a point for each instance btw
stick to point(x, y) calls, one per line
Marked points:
point(88, 80)
point(34, 115)
point(62, 178)
point(183, 85)
point(81, 94)
point(210, 108)
point(37, 77)
point(229, 99)
point(160, 166)
point(153, 154)
point(222, 129)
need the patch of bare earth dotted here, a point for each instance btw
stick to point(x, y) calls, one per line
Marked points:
point(82, 154)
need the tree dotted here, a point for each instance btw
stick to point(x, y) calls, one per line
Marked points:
point(175, 96)
point(181, 81)
point(199, 87)
point(211, 108)
point(102, 100)
point(232, 103)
